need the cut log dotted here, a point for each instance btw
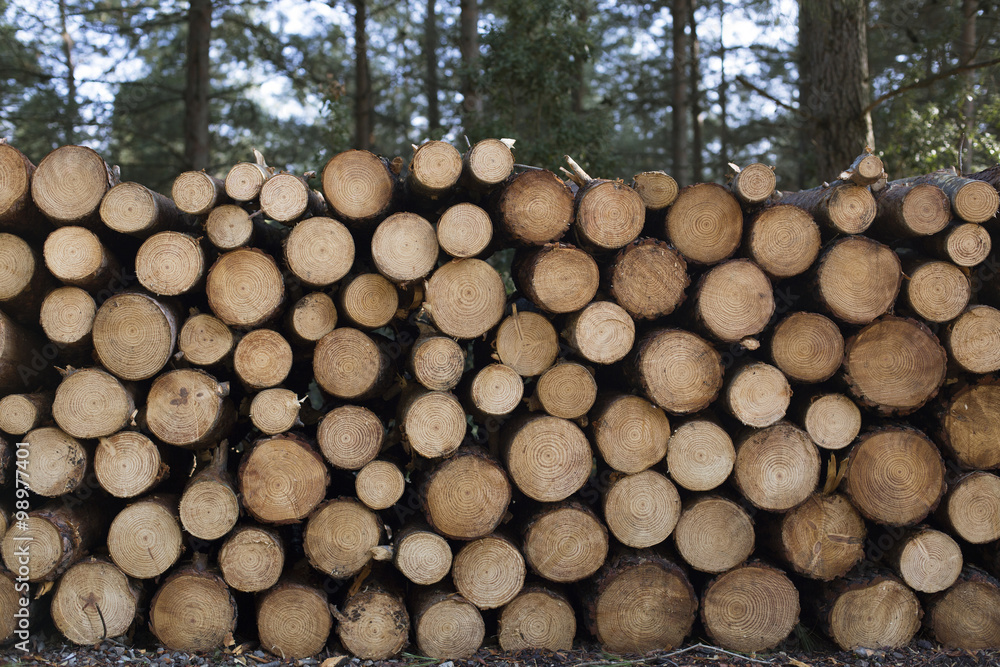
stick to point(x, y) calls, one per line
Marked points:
point(90, 403)
point(423, 556)
point(57, 535)
point(262, 359)
point(128, 464)
point(287, 198)
point(971, 508)
point(965, 244)
point(841, 207)
point(675, 369)
point(641, 510)
point(437, 362)
point(657, 189)
point(310, 318)
point(188, 408)
point(753, 183)
point(971, 200)
point(293, 618)
point(489, 572)
point(434, 169)
point(464, 230)
point(968, 430)
point(94, 600)
point(10, 596)
point(350, 436)
point(275, 411)
point(134, 334)
point(558, 278)
point(700, 454)
point(145, 538)
point(705, 223)
point(197, 193)
point(359, 187)
point(380, 485)
point(209, 507)
point(567, 390)
point(496, 390)
point(648, 279)
point(446, 625)
point(76, 256)
point(640, 602)
point(928, 560)
point(339, 537)
point(229, 227)
point(857, 279)
point(24, 282)
point(630, 432)
point(193, 610)
point(319, 251)
point(783, 240)
point(465, 298)
point(548, 458)
point(527, 342)
point(867, 169)
point(967, 615)
point(564, 542)
point(431, 422)
point(18, 213)
point(282, 479)
point(372, 622)
point(131, 208)
point(777, 467)
point(823, 538)
point(251, 558)
point(894, 476)
point(404, 247)
point(20, 413)
point(733, 301)
point(67, 317)
point(350, 365)
point(973, 340)
point(245, 179)
point(539, 617)
point(602, 332)
point(831, 420)
point(466, 496)
point(807, 347)
point(69, 183)
point(368, 301)
point(751, 608)
point(534, 208)
point(170, 263)
point(911, 210)
point(757, 394)
point(873, 611)
point(609, 215)
point(245, 288)
point(205, 340)
point(936, 291)
point(58, 463)
point(486, 165)
point(894, 366)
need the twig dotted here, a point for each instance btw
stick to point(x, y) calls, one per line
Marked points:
point(923, 83)
point(706, 647)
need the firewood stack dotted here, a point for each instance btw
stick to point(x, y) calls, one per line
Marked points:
point(383, 407)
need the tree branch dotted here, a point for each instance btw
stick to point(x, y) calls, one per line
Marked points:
point(764, 93)
point(923, 83)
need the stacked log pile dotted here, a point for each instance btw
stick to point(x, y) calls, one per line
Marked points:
point(435, 403)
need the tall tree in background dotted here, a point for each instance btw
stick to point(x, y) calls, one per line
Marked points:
point(468, 46)
point(363, 126)
point(834, 93)
point(694, 90)
point(198, 85)
point(680, 12)
point(431, 63)
point(966, 53)
point(71, 117)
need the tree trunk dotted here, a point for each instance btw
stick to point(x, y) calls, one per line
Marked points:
point(777, 467)
point(841, 207)
point(252, 557)
point(823, 538)
point(20, 413)
point(527, 342)
point(209, 507)
point(423, 556)
point(783, 240)
point(189, 408)
point(340, 535)
point(287, 198)
point(751, 608)
point(275, 411)
point(431, 67)
point(468, 45)
point(262, 359)
point(733, 301)
point(197, 86)
point(495, 390)
point(807, 347)
point(489, 572)
point(350, 436)
point(558, 278)
point(832, 420)
point(131, 208)
point(567, 390)
point(539, 617)
point(972, 200)
point(465, 298)
point(309, 319)
point(360, 187)
point(380, 484)
point(602, 332)
point(705, 223)
point(93, 601)
point(72, 114)
point(363, 102)
point(91, 403)
point(446, 625)
point(641, 510)
point(57, 534)
point(679, 12)
point(755, 393)
point(534, 208)
point(128, 464)
point(697, 364)
point(630, 432)
point(245, 288)
point(697, 116)
point(910, 210)
point(282, 479)
point(548, 458)
point(197, 193)
point(372, 621)
point(968, 429)
point(965, 616)
point(928, 560)
point(294, 618)
point(205, 340)
point(319, 251)
point(856, 279)
point(700, 455)
point(58, 464)
point(564, 542)
point(871, 610)
point(967, 48)
point(966, 244)
point(432, 423)
point(145, 538)
point(196, 592)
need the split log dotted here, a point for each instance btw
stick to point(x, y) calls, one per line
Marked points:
point(631, 433)
point(251, 558)
point(936, 291)
point(20, 413)
point(262, 359)
point(275, 411)
point(281, 479)
point(841, 207)
point(379, 485)
point(700, 454)
point(423, 556)
point(648, 279)
point(973, 340)
point(368, 300)
point(351, 365)
point(76, 256)
point(132, 208)
point(350, 436)
point(24, 282)
point(310, 318)
point(753, 183)
point(928, 560)
point(489, 572)
point(464, 230)
point(676, 370)
point(911, 210)
point(245, 179)
point(245, 288)
point(564, 542)
point(807, 347)
point(67, 318)
point(857, 279)
point(372, 622)
point(527, 342)
point(757, 394)
point(437, 362)
point(128, 464)
point(534, 207)
point(57, 535)
point(339, 537)
point(465, 298)
point(69, 184)
point(548, 458)
point(640, 602)
point(209, 507)
point(971, 508)
point(193, 610)
point(486, 165)
point(657, 189)
point(910, 366)
point(293, 617)
point(777, 467)
point(705, 223)
point(319, 252)
point(145, 538)
point(558, 278)
point(602, 332)
point(641, 510)
point(869, 611)
point(539, 617)
point(170, 263)
point(751, 608)
point(496, 390)
point(971, 200)
point(359, 187)
point(434, 169)
point(609, 215)
point(287, 198)
point(58, 463)
point(445, 625)
point(189, 408)
point(831, 420)
point(965, 244)
point(713, 534)
point(967, 615)
point(205, 340)
point(90, 403)
point(783, 240)
point(404, 247)
point(466, 496)
point(967, 428)
point(94, 600)
point(895, 476)
point(567, 390)
point(432, 423)
point(134, 334)
point(823, 538)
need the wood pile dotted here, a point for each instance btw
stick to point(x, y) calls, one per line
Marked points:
point(436, 403)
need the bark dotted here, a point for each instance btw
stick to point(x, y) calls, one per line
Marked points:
point(468, 45)
point(680, 9)
point(966, 53)
point(197, 85)
point(72, 107)
point(697, 117)
point(363, 128)
point(430, 62)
